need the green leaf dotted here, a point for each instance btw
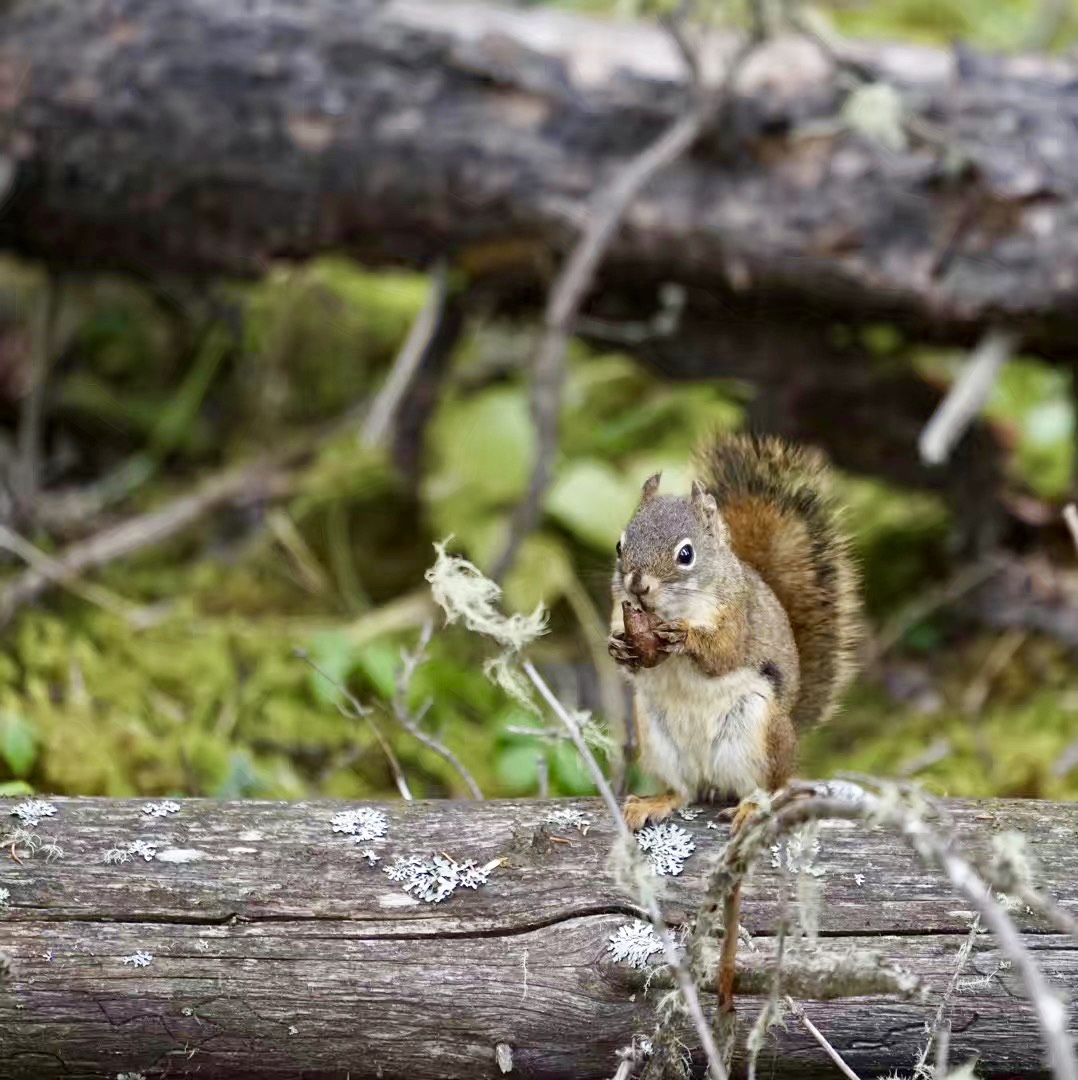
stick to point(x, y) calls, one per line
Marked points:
point(570, 772)
point(380, 662)
point(593, 501)
point(484, 447)
point(924, 637)
point(18, 743)
point(517, 767)
point(539, 575)
point(15, 787)
point(334, 655)
point(1050, 422)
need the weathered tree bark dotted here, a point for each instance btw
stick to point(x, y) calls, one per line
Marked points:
point(214, 137)
point(279, 950)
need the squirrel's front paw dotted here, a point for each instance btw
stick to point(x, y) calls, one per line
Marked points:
point(672, 636)
point(623, 651)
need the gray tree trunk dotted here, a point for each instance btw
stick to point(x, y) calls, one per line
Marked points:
point(215, 136)
point(279, 950)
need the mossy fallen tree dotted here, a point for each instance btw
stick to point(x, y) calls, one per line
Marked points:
point(265, 939)
point(199, 137)
point(194, 139)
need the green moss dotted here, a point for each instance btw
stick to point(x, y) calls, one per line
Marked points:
point(211, 699)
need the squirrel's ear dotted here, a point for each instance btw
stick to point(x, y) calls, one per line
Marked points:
point(707, 510)
point(651, 485)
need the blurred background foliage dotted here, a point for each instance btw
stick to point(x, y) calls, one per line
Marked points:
point(156, 386)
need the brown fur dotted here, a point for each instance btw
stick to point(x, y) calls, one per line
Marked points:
point(781, 521)
point(720, 649)
point(781, 748)
point(638, 810)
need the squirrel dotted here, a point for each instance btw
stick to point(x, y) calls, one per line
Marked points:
point(753, 616)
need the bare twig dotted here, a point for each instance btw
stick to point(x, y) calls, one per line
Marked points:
point(1049, 20)
point(999, 656)
point(611, 685)
point(354, 709)
point(807, 23)
point(673, 22)
point(32, 410)
point(54, 571)
point(920, 1068)
point(542, 774)
point(964, 581)
point(967, 396)
point(935, 752)
point(770, 1013)
point(1066, 761)
point(409, 662)
point(1036, 901)
point(809, 975)
point(62, 511)
point(815, 1032)
point(262, 479)
point(670, 954)
point(1070, 518)
point(608, 209)
point(943, 1050)
point(383, 412)
point(790, 811)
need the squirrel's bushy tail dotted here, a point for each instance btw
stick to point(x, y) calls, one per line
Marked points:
point(784, 524)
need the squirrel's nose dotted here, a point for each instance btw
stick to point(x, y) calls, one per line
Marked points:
point(638, 585)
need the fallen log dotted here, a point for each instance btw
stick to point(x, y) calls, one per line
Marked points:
point(255, 940)
point(214, 138)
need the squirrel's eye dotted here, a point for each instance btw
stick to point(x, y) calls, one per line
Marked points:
point(617, 548)
point(685, 555)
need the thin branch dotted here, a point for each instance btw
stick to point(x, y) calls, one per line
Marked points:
point(809, 975)
point(1070, 517)
point(608, 209)
point(999, 656)
point(674, 23)
point(542, 776)
point(958, 585)
point(943, 1050)
point(684, 980)
point(920, 1069)
point(792, 810)
point(383, 413)
point(32, 410)
point(936, 751)
point(818, 1035)
point(359, 711)
point(55, 571)
point(1049, 1010)
point(1066, 761)
point(1038, 903)
point(967, 396)
point(769, 1011)
point(1049, 20)
point(409, 663)
point(262, 479)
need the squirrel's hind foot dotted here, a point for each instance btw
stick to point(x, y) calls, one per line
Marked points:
point(740, 815)
point(639, 810)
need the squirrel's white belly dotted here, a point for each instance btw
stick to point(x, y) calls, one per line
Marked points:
point(708, 735)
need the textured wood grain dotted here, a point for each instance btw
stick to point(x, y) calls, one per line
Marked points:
point(216, 136)
point(280, 951)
